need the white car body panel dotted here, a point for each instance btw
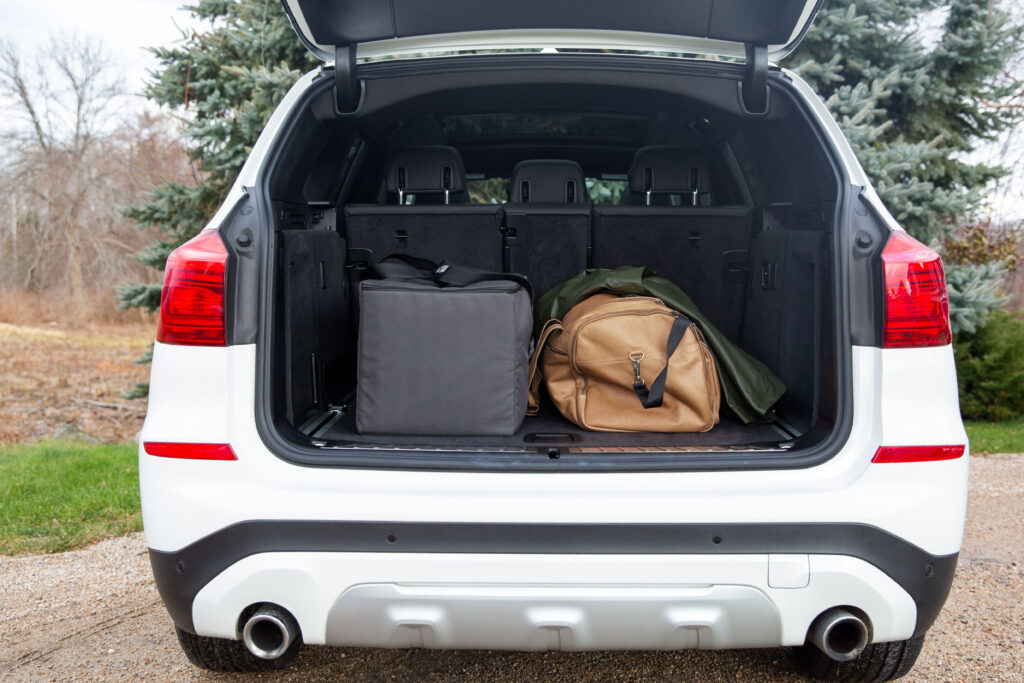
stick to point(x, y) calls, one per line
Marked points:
point(208, 395)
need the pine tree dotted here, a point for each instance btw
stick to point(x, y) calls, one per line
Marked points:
point(914, 96)
point(225, 80)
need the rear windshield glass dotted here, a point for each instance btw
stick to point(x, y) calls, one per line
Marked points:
point(607, 128)
point(495, 190)
point(487, 190)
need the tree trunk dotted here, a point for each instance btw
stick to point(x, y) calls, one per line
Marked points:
point(75, 276)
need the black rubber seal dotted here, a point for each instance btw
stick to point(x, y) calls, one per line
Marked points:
point(181, 575)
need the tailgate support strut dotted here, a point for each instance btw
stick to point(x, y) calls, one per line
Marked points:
point(754, 88)
point(348, 90)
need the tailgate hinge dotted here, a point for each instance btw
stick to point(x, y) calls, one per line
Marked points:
point(348, 90)
point(754, 88)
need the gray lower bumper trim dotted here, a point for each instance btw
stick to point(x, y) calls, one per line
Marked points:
point(180, 575)
point(553, 617)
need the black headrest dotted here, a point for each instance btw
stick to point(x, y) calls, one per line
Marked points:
point(426, 170)
point(547, 180)
point(662, 169)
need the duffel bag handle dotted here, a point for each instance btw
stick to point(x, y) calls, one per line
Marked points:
point(403, 266)
point(460, 276)
point(652, 398)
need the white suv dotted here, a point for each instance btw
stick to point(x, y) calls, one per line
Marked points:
point(833, 527)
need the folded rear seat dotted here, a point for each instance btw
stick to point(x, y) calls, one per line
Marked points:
point(438, 225)
point(703, 249)
point(547, 222)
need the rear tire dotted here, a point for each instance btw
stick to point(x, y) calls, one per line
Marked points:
point(878, 662)
point(221, 654)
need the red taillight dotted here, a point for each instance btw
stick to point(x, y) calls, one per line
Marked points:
point(192, 301)
point(916, 302)
point(917, 453)
point(190, 451)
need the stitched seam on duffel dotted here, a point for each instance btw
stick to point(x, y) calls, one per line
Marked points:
point(708, 365)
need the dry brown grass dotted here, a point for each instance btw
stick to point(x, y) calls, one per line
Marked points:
point(19, 307)
point(52, 376)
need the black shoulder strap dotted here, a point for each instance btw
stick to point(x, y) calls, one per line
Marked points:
point(652, 398)
point(401, 267)
point(423, 264)
point(405, 267)
point(460, 276)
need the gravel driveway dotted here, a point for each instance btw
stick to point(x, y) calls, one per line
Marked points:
point(94, 614)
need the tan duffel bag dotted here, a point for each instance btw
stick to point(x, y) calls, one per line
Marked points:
point(626, 364)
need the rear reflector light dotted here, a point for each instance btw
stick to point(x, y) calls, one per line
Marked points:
point(916, 302)
point(190, 451)
point(192, 300)
point(917, 453)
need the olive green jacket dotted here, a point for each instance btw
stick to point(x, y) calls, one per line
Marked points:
point(749, 388)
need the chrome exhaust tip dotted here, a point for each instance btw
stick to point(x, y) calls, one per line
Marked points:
point(270, 631)
point(840, 634)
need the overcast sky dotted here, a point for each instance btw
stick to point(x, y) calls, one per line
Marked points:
point(126, 27)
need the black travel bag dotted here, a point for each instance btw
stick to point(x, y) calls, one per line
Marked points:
point(443, 350)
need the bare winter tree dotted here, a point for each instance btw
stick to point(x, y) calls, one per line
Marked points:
point(73, 158)
point(63, 103)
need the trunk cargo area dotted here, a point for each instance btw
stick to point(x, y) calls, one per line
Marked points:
point(779, 323)
point(754, 247)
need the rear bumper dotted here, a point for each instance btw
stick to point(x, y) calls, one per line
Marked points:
point(562, 586)
point(224, 535)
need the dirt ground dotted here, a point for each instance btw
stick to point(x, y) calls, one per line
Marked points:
point(57, 383)
point(94, 614)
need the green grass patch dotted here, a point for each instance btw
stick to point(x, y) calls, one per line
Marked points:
point(58, 495)
point(996, 437)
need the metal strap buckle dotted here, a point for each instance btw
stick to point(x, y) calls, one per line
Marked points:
point(638, 381)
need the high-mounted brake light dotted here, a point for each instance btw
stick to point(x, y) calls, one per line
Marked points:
point(916, 301)
point(190, 451)
point(917, 453)
point(192, 301)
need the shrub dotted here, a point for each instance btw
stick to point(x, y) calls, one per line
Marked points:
point(990, 369)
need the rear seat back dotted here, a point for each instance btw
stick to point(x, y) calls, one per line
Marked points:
point(438, 225)
point(662, 175)
point(669, 227)
point(547, 222)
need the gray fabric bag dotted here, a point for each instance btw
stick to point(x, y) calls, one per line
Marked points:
point(441, 353)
